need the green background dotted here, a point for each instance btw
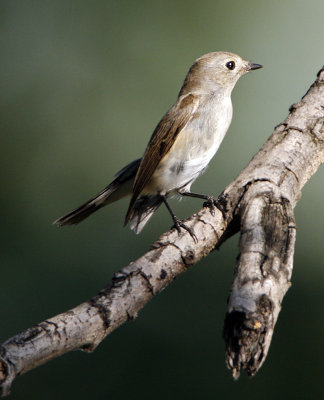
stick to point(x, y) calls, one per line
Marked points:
point(83, 84)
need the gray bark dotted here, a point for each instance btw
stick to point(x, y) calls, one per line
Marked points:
point(259, 204)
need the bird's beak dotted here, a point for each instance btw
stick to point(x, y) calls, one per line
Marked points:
point(251, 66)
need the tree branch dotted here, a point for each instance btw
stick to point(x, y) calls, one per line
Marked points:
point(259, 204)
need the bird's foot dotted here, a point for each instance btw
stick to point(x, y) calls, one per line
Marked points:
point(212, 203)
point(178, 224)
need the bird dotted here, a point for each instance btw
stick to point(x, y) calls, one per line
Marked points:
point(180, 148)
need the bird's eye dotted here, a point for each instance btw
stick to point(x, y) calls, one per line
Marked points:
point(230, 65)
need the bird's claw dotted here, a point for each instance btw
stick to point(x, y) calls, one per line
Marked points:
point(211, 203)
point(178, 224)
point(218, 203)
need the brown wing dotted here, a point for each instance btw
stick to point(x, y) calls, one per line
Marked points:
point(161, 142)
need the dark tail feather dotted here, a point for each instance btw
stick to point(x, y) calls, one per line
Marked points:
point(120, 187)
point(77, 215)
point(82, 212)
point(142, 211)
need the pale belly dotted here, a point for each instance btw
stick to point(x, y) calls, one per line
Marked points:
point(189, 156)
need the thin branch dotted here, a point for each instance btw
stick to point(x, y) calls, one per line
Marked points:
point(259, 204)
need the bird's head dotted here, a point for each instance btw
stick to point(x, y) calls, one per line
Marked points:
point(216, 70)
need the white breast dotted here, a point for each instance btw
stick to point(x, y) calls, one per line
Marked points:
point(193, 149)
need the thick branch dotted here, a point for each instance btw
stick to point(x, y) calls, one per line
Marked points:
point(260, 203)
point(272, 184)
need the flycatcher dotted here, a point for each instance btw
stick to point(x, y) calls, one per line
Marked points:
point(181, 146)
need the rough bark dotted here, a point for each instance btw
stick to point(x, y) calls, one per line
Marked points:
point(259, 204)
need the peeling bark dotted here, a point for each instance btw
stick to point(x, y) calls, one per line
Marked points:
point(259, 204)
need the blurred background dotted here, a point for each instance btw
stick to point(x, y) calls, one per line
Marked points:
point(83, 84)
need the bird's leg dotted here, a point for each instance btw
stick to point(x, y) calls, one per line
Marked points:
point(211, 202)
point(178, 224)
